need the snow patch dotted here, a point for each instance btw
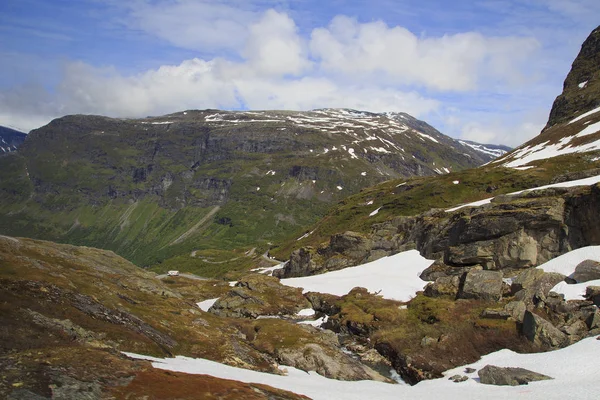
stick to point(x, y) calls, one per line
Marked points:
point(206, 304)
point(395, 277)
point(375, 212)
point(587, 114)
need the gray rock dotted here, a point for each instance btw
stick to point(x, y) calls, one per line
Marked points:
point(493, 313)
point(593, 320)
point(537, 289)
point(458, 378)
point(542, 332)
point(516, 309)
point(592, 293)
point(493, 375)
point(485, 285)
point(443, 286)
point(587, 270)
point(327, 362)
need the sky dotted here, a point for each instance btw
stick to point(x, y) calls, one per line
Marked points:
point(484, 70)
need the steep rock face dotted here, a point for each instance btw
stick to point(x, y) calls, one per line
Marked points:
point(581, 90)
point(510, 233)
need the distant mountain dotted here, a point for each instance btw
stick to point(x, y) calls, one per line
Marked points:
point(196, 180)
point(492, 150)
point(574, 123)
point(10, 139)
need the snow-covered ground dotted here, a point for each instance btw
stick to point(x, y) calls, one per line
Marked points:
point(566, 264)
point(579, 182)
point(575, 377)
point(206, 304)
point(395, 277)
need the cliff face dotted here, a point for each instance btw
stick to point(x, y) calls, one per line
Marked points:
point(581, 90)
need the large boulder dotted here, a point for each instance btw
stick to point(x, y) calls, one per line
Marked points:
point(493, 375)
point(533, 285)
point(326, 362)
point(301, 263)
point(485, 285)
point(444, 286)
point(542, 333)
point(587, 270)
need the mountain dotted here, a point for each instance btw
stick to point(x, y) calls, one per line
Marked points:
point(210, 183)
point(10, 139)
point(574, 123)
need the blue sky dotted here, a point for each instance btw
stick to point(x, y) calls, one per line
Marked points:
point(480, 70)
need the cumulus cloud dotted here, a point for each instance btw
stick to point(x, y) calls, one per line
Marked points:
point(451, 62)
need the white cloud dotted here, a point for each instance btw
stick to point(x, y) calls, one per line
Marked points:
point(451, 62)
point(196, 25)
point(274, 47)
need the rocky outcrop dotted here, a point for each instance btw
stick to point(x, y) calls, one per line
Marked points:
point(533, 285)
point(256, 295)
point(332, 364)
point(493, 375)
point(542, 332)
point(511, 233)
point(584, 71)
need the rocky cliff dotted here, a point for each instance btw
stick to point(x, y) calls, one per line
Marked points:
point(581, 89)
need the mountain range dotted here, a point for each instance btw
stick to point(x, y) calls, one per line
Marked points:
point(217, 183)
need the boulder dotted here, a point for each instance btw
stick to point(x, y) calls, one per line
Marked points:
point(532, 287)
point(495, 313)
point(485, 285)
point(592, 293)
point(541, 332)
point(299, 264)
point(493, 375)
point(587, 270)
point(443, 286)
point(516, 309)
point(458, 378)
point(326, 362)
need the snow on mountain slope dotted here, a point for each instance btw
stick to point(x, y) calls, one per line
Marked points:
point(361, 134)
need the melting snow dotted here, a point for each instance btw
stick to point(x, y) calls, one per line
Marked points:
point(456, 182)
point(363, 173)
point(574, 378)
point(587, 114)
point(339, 187)
point(589, 130)
point(395, 277)
point(375, 212)
point(582, 84)
point(206, 304)
point(307, 312)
